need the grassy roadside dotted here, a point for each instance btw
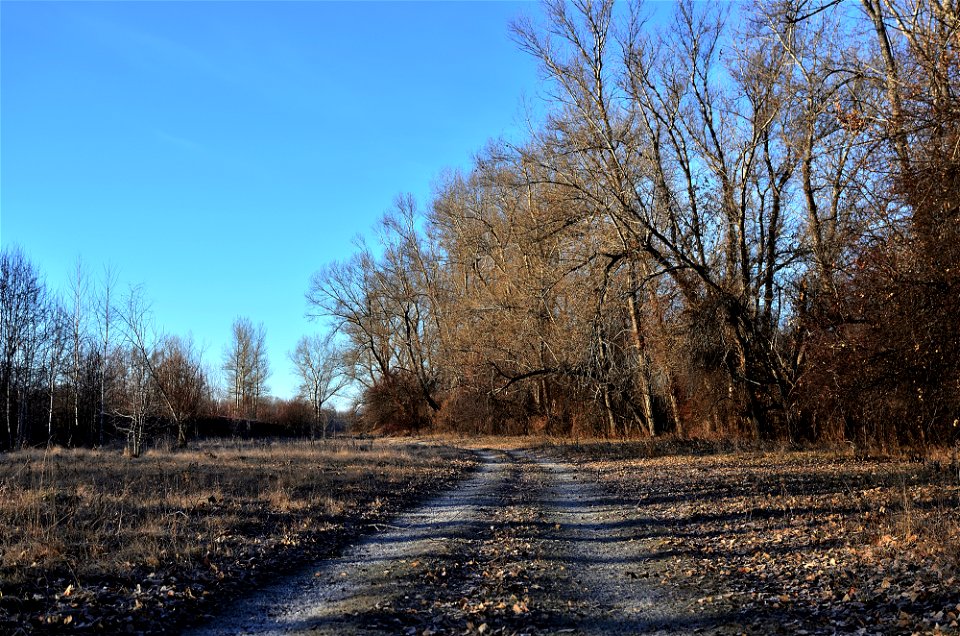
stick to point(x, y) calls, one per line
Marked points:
point(91, 541)
point(793, 542)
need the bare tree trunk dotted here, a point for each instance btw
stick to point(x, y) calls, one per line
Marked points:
point(891, 80)
point(78, 289)
point(608, 411)
point(108, 283)
point(674, 410)
point(50, 418)
point(643, 361)
point(7, 414)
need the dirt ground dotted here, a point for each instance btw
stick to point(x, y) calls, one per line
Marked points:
point(527, 545)
point(637, 539)
point(578, 540)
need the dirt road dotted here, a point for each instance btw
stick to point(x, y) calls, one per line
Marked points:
point(526, 546)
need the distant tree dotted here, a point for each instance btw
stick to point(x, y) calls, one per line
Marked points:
point(246, 367)
point(341, 291)
point(23, 309)
point(137, 393)
point(386, 307)
point(57, 330)
point(105, 317)
point(79, 292)
point(261, 369)
point(293, 416)
point(319, 362)
point(177, 370)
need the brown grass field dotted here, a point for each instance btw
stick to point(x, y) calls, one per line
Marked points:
point(92, 540)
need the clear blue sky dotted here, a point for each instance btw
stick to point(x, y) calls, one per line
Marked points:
point(220, 152)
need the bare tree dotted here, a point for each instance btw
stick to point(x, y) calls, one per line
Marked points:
point(706, 204)
point(57, 328)
point(519, 267)
point(246, 366)
point(342, 292)
point(319, 362)
point(136, 388)
point(176, 367)
point(23, 313)
point(885, 347)
point(105, 318)
point(79, 292)
point(684, 167)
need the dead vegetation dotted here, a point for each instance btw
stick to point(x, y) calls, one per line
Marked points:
point(795, 542)
point(94, 541)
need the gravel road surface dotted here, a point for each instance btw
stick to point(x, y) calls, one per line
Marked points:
point(527, 545)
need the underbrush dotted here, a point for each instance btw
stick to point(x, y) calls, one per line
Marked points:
point(91, 537)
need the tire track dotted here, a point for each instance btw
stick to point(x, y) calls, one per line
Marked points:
point(613, 572)
point(333, 597)
point(528, 545)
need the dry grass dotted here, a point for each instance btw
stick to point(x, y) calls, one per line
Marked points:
point(816, 539)
point(191, 522)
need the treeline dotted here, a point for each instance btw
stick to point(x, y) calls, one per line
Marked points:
point(731, 224)
point(89, 367)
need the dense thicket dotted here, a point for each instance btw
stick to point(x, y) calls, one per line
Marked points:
point(732, 223)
